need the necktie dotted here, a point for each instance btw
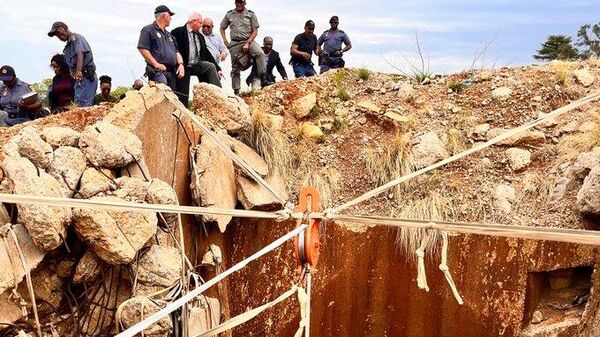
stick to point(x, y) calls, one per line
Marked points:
point(196, 46)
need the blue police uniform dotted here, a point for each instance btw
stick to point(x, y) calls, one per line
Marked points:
point(9, 103)
point(332, 42)
point(85, 91)
point(163, 48)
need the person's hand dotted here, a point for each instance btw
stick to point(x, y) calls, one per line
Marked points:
point(306, 56)
point(338, 53)
point(161, 67)
point(223, 56)
point(220, 74)
point(180, 71)
point(246, 47)
point(22, 105)
point(78, 76)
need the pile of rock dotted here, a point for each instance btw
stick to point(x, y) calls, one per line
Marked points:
point(218, 182)
point(63, 163)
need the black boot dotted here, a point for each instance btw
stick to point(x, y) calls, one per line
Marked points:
point(236, 92)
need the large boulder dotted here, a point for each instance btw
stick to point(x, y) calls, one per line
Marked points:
point(89, 268)
point(428, 149)
point(34, 148)
point(501, 94)
point(213, 182)
point(114, 236)
point(220, 109)
point(504, 197)
point(527, 138)
point(132, 189)
point(588, 197)
point(255, 197)
point(67, 167)
point(253, 159)
point(58, 136)
point(302, 106)
point(159, 268)
point(584, 77)
point(139, 308)
point(518, 159)
point(46, 225)
point(161, 193)
point(585, 161)
point(10, 261)
point(95, 181)
point(108, 146)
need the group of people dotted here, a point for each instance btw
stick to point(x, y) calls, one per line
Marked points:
point(172, 58)
point(193, 49)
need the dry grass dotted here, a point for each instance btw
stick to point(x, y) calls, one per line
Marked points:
point(432, 207)
point(571, 146)
point(273, 145)
point(327, 182)
point(562, 71)
point(455, 141)
point(391, 162)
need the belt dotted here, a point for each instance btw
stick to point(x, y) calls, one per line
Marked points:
point(18, 115)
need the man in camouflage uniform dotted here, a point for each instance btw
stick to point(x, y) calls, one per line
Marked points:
point(243, 26)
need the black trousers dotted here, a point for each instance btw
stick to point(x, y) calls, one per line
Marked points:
point(205, 72)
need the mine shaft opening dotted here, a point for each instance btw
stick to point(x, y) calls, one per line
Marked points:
point(556, 296)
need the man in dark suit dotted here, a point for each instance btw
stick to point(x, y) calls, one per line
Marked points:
point(196, 57)
point(272, 60)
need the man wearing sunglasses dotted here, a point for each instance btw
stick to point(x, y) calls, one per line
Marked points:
point(302, 50)
point(243, 26)
point(214, 42)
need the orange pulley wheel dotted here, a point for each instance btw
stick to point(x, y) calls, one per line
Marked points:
point(308, 244)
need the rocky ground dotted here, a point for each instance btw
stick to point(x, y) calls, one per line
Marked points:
point(350, 131)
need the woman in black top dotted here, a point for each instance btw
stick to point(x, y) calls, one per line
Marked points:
point(62, 93)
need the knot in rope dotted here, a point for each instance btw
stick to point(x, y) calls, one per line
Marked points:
point(444, 268)
point(420, 253)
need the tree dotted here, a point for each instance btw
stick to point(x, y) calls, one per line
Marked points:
point(589, 38)
point(557, 47)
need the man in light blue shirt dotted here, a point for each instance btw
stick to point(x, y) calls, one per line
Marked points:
point(214, 42)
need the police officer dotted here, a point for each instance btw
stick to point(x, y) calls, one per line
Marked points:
point(243, 30)
point(330, 56)
point(80, 59)
point(164, 64)
point(13, 109)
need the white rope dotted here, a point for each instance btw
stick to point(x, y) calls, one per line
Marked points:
point(477, 148)
point(304, 325)
point(248, 315)
point(446, 270)
point(131, 206)
point(139, 327)
point(421, 273)
point(236, 159)
point(566, 235)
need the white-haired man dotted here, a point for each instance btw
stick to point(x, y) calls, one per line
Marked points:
point(197, 58)
point(164, 64)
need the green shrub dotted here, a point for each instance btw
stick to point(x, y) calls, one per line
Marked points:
point(363, 74)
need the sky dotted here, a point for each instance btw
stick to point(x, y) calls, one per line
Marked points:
point(383, 33)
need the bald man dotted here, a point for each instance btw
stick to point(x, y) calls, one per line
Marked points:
point(214, 42)
point(272, 60)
